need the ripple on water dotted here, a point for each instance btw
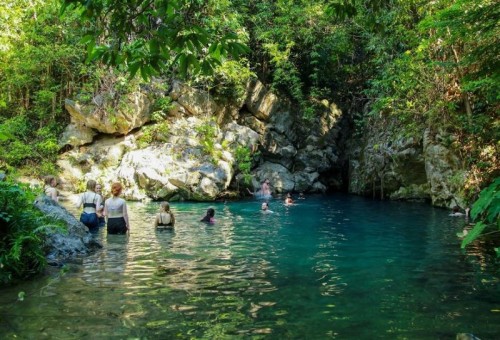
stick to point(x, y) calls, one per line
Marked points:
point(336, 266)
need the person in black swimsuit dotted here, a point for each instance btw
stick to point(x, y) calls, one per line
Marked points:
point(90, 201)
point(115, 210)
point(165, 218)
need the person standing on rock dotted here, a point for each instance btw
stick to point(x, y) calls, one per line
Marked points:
point(115, 210)
point(50, 188)
point(91, 202)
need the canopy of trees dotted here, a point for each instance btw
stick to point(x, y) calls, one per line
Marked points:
point(430, 64)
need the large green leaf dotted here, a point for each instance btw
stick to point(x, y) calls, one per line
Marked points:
point(494, 209)
point(485, 198)
point(161, 26)
point(473, 234)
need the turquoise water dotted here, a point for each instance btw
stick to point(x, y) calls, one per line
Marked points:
point(327, 267)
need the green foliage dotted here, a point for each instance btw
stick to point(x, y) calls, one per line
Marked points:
point(469, 29)
point(486, 210)
point(229, 79)
point(157, 132)
point(40, 65)
point(488, 204)
point(160, 130)
point(432, 66)
point(474, 233)
point(22, 231)
point(207, 132)
point(244, 160)
point(151, 37)
point(163, 104)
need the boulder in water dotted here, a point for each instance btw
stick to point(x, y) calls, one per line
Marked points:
point(64, 246)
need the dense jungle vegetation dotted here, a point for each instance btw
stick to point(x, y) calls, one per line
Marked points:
point(428, 64)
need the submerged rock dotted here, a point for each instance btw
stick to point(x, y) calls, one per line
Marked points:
point(65, 245)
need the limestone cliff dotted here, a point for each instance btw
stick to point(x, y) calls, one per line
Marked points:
point(386, 164)
point(190, 151)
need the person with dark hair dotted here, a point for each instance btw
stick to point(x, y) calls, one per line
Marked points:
point(165, 218)
point(90, 201)
point(455, 211)
point(50, 188)
point(288, 199)
point(209, 217)
point(115, 210)
point(265, 208)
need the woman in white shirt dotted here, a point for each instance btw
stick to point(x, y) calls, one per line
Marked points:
point(115, 210)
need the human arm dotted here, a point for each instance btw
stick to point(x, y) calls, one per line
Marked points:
point(79, 202)
point(53, 194)
point(125, 216)
point(157, 220)
point(172, 219)
point(99, 206)
point(105, 210)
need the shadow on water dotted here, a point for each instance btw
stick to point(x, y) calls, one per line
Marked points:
point(326, 267)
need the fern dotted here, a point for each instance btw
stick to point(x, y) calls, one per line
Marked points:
point(473, 234)
point(23, 232)
point(486, 211)
point(488, 202)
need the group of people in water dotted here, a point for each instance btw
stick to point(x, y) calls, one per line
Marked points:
point(98, 212)
point(95, 208)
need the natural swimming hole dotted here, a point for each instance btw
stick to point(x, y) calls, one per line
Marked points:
point(333, 266)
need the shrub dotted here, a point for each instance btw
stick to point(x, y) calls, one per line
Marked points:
point(486, 211)
point(244, 160)
point(22, 233)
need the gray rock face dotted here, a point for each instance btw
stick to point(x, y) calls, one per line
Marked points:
point(296, 154)
point(442, 166)
point(384, 164)
point(66, 246)
point(280, 177)
point(196, 157)
point(103, 115)
point(196, 102)
point(76, 135)
point(260, 102)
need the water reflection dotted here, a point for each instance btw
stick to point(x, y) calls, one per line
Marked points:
point(328, 267)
